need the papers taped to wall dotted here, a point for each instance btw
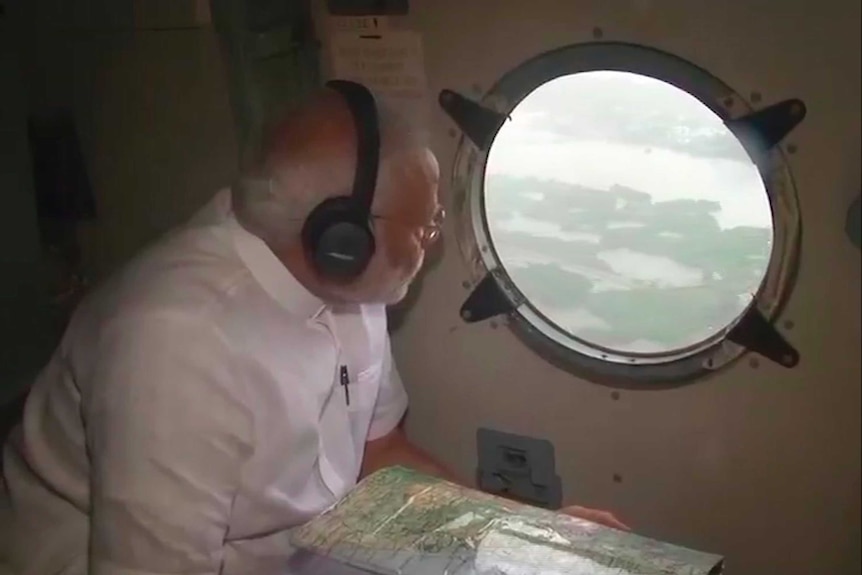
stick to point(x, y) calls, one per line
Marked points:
point(389, 62)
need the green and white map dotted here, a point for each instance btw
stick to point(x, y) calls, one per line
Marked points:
point(399, 522)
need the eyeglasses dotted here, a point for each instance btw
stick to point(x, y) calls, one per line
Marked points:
point(430, 231)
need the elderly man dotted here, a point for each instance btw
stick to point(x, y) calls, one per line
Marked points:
point(222, 388)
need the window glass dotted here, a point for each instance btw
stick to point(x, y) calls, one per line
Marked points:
point(626, 212)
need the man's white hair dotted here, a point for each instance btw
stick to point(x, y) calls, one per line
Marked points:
point(274, 203)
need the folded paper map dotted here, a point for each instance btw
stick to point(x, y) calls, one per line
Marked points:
point(400, 522)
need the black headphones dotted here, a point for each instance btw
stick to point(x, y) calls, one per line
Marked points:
point(337, 234)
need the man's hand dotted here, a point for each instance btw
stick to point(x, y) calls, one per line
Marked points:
point(605, 518)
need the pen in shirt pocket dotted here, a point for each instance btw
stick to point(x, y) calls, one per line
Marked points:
point(345, 383)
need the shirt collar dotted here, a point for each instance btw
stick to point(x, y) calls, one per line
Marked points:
point(271, 274)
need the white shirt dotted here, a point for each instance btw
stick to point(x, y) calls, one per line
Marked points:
point(193, 414)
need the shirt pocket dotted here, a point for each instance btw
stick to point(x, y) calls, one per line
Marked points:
point(363, 399)
point(363, 391)
point(345, 430)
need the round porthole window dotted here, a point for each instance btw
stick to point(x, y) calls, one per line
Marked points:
point(621, 214)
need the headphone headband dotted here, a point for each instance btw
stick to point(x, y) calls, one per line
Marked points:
point(364, 111)
point(337, 234)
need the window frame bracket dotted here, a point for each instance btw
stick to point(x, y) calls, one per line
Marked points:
point(756, 333)
point(478, 123)
point(762, 130)
point(488, 299)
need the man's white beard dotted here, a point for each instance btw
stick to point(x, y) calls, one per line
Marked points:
point(389, 290)
point(393, 286)
point(398, 294)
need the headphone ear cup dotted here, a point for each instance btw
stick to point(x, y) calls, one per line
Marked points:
point(344, 250)
point(338, 239)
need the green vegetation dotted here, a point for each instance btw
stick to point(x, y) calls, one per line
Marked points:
point(688, 277)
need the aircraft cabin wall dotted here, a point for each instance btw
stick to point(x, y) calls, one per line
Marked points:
point(756, 461)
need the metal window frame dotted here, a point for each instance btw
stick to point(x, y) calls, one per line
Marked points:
point(495, 294)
